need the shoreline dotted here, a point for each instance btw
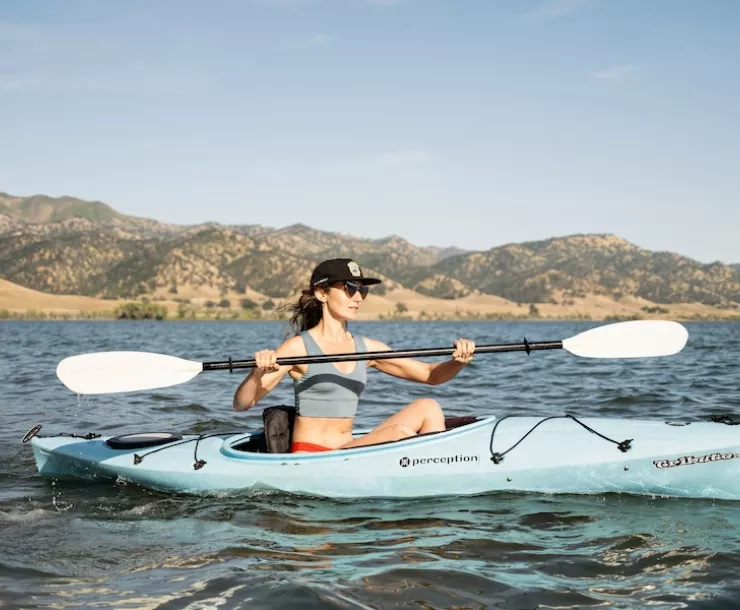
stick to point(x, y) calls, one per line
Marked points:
point(55, 316)
point(19, 303)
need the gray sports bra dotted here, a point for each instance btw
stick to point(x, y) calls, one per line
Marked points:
point(324, 391)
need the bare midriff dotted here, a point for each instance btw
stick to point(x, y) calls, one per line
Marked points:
point(330, 432)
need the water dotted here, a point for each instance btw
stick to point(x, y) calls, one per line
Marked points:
point(112, 545)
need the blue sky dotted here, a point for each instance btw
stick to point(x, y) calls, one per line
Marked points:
point(449, 122)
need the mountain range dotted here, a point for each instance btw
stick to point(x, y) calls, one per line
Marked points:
point(70, 246)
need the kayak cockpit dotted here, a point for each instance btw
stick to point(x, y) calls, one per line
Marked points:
point(252, 443)
point(277, 434)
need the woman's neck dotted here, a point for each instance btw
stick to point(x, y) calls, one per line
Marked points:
point(331, 330)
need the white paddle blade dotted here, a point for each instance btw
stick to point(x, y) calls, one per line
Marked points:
point(633, 339)
point(112, 372)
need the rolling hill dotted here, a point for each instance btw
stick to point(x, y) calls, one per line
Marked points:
point(69, 246)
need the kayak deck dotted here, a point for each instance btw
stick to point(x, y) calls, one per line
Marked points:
point(560, 454)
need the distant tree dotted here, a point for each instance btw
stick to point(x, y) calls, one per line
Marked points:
point(248, 304)
point(268, 305)
point(656, 309)
point(225, 303)
point(185, 310)
point(401, 307)
point(533, 311)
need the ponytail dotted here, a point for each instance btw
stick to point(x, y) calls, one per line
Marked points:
point(307, 312)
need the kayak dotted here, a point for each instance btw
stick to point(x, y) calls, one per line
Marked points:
point(474, 455)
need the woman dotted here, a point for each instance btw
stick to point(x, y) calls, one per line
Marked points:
point(326, 395)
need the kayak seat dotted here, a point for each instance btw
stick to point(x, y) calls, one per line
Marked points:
point(278, 422)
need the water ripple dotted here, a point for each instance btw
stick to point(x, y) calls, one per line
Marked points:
point(71, 544)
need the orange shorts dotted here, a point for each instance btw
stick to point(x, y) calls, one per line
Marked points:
point(299, 446)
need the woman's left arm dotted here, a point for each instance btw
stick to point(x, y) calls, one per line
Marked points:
point(414, 370)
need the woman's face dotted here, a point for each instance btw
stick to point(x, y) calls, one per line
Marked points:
point(344, 298)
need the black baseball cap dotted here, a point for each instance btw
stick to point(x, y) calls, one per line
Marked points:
point(339, 270)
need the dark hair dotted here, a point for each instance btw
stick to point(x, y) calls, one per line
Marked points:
point(307, 312)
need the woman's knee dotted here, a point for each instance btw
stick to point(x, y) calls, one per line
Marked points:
point(431, 416)
point(428, 406)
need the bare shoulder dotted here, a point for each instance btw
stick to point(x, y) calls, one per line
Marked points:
point(373, 345)
point(293, 346)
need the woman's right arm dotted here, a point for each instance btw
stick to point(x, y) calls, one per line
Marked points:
point(266, 374)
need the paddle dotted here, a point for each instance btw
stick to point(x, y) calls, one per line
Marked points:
point(111, 372)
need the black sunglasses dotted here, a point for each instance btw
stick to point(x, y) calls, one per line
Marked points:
point(350, 288)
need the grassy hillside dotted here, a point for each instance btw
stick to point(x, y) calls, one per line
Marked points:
point(563, 268)
point(68, 246)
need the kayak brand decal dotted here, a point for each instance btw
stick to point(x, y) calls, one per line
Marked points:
point(405, 462)
point(690, 460)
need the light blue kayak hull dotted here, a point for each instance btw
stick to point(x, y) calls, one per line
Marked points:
point(698, 460)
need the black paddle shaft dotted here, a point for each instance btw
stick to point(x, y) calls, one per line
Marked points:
point(386, 355)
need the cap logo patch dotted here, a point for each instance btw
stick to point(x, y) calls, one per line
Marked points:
point(354, 269)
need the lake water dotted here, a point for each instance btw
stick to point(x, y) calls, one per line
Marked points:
point(112, 545)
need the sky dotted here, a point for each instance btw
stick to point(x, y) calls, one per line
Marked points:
point(473, 123)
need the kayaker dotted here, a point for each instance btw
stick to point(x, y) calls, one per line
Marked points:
point(327, 394)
